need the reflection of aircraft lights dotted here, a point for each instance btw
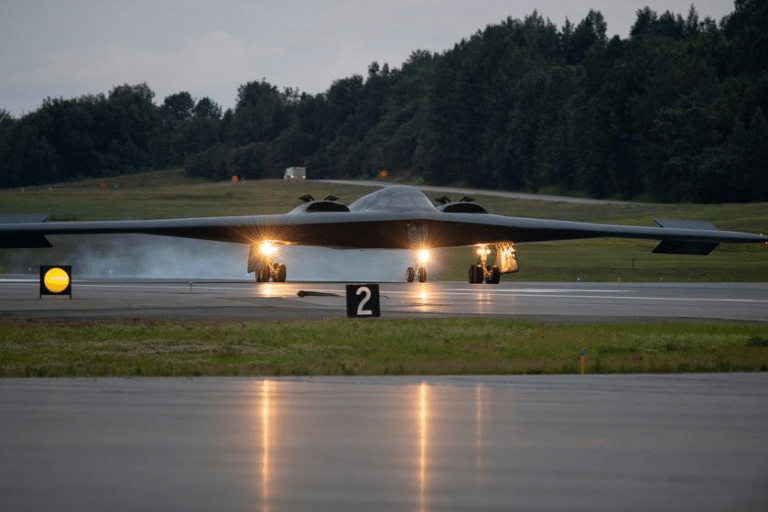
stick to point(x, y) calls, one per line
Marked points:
point(478, 427)
point(423, 295)
point(267, 248)
point(423, 256)
point(423, 433)
point(270, 290)
point(265, 414)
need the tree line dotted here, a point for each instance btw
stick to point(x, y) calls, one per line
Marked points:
point(674, 112)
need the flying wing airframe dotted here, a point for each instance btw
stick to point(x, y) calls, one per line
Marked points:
point(394, 217)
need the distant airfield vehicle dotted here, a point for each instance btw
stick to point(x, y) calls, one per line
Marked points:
point(395, 217)
point(295, 174)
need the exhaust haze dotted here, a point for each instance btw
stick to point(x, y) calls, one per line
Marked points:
point(151, 256)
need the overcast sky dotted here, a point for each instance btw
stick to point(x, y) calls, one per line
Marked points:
point(68, 48)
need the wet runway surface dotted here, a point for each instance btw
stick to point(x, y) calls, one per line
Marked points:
point(638, 442)
point(246, 300)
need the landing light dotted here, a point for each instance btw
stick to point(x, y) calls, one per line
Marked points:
point(268, 248)
point(423, 255)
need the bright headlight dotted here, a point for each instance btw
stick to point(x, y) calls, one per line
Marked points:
point(423, 255)
point(268, 248)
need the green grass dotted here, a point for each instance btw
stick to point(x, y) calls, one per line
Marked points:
point(170, 194)
point(37, 348)
point(167, 194)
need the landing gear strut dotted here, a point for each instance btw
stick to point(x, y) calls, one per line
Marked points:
point(261, 264)
point(482, 272)
point(411, 273)
point(479, 274)
point(419, 270)
point(274, 271)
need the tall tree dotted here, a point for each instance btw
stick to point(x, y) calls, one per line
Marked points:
point(206, 108)
point(260, 113)
point(177, 107)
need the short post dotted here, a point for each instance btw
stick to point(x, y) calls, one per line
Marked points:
point(583, 360)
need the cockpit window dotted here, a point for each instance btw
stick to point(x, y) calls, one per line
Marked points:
point(395, 198)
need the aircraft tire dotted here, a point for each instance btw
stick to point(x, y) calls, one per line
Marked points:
point(281, 273)
point(410, 274)
point(422, 275)
point(476, 274)
point(495, 275)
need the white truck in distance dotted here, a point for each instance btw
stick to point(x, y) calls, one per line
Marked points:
point(295, 174)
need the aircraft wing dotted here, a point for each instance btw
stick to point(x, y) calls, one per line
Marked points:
point(395, 217)
point(676, 237)
point(389, 230)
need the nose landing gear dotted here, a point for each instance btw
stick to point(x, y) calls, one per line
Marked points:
point(411, 274)
point(421, 257)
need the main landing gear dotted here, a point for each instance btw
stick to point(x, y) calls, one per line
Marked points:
point(489, 274)
point(506, 263)
point(261, 264)
point(274, 271)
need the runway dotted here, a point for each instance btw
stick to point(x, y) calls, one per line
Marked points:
point(528, 443)
point(248, 301)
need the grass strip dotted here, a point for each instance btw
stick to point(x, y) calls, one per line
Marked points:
point(45, 348)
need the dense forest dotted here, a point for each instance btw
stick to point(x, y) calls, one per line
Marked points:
point(675, 112)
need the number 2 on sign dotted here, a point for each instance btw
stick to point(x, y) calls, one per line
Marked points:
point(363, 300)
point(361, 311)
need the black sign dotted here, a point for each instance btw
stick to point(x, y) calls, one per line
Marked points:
point(56, 280)
point(363, 300)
